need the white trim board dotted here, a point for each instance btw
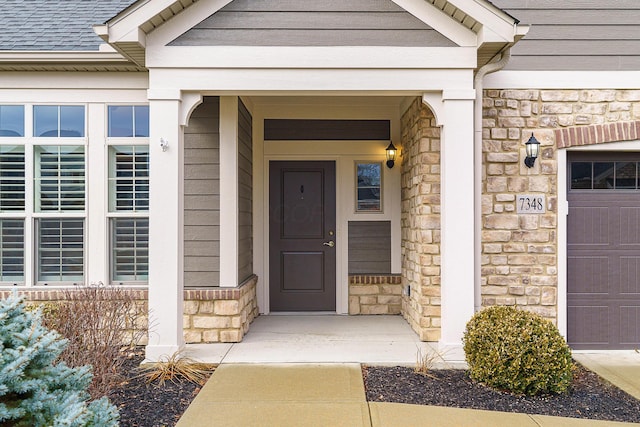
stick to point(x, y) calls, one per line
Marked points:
point(563, 80)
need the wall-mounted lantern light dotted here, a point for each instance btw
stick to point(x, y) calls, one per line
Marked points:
point(391, 154)
point(532, 148)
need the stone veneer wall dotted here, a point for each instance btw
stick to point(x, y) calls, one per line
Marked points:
point(375, 294)
point(519, 257)
point(420, 221)
point(210, 315)
point(220, 315)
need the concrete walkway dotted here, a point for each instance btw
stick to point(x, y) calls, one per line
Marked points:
point(310, 395)
point(305, 371)
point(621, 368)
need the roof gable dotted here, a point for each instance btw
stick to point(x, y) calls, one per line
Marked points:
point(467, 23)
point(312, 23)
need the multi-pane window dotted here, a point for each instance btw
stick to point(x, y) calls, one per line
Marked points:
point(58, 121)
point(613, 175)
point(12, 179)
point(11, 120)
point(368, 187)
point(60, 249)
point(59, 178)
point(126, 121)
point(129, 178)
point(130, 243)
point(129, 193)
point(11, 250)
point(12, 194)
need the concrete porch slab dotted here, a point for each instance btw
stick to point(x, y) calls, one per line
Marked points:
point(208, 353)
point(376, 340)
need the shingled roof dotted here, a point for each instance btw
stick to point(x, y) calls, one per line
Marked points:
point(45, 25)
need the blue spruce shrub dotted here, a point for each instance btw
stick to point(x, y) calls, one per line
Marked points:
point(515, 350)
point(34, 390)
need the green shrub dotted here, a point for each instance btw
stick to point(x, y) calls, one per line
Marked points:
point(35, 389)
point(518, 351)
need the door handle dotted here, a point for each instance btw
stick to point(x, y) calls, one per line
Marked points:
point(330, 243)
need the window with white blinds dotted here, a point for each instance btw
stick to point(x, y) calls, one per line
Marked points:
point(60, 249)
point(12, 180)
point(59, 178)
point(11, 250)
point(129, 192)
point(130, 245)
point(129, 178)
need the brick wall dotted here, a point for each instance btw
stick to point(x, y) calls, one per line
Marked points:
point(420, 221)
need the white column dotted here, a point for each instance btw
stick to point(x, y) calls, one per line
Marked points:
point(457, 219)
point(228, 191)
point(166, 224)
point(96, 227)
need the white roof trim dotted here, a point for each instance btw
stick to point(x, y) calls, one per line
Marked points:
point(27, 56)
point(490, 16)
point(439, 21)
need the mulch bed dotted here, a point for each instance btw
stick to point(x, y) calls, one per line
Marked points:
point(150, 405)
point(590, 396)
point(153, 405)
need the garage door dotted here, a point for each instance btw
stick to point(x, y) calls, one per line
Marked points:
point(603, 266)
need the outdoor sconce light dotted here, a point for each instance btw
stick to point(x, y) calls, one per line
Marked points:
point(391, 154)
point(164, 144)
point(532, 148)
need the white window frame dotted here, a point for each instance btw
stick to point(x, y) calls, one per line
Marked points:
point(30, 215)
point(113, 213)
point(36, 215)
point(3, 280)
point(20, 215)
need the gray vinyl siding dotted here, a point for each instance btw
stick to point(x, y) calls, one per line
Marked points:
point(202, 196)
point(312, 23)
point(245, 190)
point(590, 35)
point(369, 247)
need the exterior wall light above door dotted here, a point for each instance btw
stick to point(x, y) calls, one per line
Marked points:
point(391, 154)
point(532, 148)
point(164, 144)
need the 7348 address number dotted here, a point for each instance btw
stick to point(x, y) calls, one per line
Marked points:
point(531, 204)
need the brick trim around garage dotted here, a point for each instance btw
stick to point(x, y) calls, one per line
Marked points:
point(597, 134)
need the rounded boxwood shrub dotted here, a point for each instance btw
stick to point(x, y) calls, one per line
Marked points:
point(515, 350)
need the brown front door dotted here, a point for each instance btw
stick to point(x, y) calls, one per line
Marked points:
point(302, 225)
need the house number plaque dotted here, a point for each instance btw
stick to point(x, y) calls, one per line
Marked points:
point(531, 204)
